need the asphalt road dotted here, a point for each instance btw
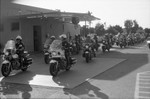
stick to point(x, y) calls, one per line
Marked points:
point(121, 81)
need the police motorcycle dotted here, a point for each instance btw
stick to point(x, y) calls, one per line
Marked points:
point(58, 61)
point(12, 61)
point(74, 48)
point(122, 43)
point(129, 43)
point(96, 44)
point(47, 54)
point(117, 42)
point(88, 51)
point(105, 46)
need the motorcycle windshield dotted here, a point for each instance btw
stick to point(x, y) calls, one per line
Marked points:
point(56, 45)
point(47, 42)
point(10, 45)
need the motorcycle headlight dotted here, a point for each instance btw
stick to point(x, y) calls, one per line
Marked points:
point(86, 47)
point(148, 42)
point(6, 53)
point(54, 53)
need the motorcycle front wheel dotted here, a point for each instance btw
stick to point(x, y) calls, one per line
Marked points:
point(87, 59)
point(46, 59)
point(68, 68)
point(53, 69)
point(5, 69)
point(103, 49)
point(120, 46)
point(24, 69)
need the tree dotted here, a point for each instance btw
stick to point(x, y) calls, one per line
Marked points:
point(135, 26)
point(112, 30)
point(147, 31)
point(118, 28)
point(99, 29)
point(128, 25)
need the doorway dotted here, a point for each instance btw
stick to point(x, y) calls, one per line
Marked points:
point(37, 38)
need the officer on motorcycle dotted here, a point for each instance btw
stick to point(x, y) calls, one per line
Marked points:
point(20, 48)
point(65, 44)
point(78, 41)
point(65, 47)
point(90, 40)
point(19, 45)
point(48, 41)
point(96, 45)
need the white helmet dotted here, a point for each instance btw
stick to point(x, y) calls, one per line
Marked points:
point(53, 37)
point(63, 36)
point(18, 37)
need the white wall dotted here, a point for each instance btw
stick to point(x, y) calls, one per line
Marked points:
point(71, 28)
point(7, 34)
point(48, 25)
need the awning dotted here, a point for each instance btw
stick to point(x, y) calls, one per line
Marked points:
point(64, 15)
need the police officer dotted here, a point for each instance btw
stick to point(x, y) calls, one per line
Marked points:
point(65, 44)
point(65, 47)
point(19, 45)
point(20, 49)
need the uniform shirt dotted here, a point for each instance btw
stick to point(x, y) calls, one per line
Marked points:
point(20, 46)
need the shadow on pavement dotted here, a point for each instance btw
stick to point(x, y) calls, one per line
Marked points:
point(8, 88)
point(87, 90)
point(133, 62)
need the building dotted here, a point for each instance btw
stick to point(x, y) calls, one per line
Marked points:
point(33, 24)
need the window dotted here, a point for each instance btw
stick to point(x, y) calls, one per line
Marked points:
point(15, 26)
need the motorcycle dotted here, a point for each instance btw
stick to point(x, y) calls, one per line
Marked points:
point(58, 61)
point(105, 46)
point(12, 61)
point(47, 55)
point(96, 46)
point(122, 44)
point(73, 48)
point(117, 42)
point(88, 53)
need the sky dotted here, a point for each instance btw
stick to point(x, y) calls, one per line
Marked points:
point(113, 12)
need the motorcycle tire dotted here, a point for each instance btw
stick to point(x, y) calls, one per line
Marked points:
point(108, 49)
point(24, 69)
point(46, 59)
point(87, 59)
point(5, 70)
point(68, 68)
point(120, 46)
point(103, 49)
point(53, 69)
point(94, 54)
